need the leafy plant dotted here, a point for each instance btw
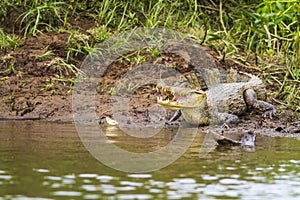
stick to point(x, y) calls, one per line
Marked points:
point(9, 41)
point(78, 43)
point(40, 13)
point(99, 34)
point(65, 69)
point(47, 54)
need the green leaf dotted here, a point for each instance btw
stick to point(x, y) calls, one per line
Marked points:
point(278, 20)
point(280, 6)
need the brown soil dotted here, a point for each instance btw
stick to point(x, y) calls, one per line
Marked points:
point(35, 88)
point(32, 88)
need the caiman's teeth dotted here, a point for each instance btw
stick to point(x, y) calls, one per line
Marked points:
point(166, 101)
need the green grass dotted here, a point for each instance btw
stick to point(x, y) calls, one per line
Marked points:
point(40, 14)
point(8, 63)
point(78, 44)
point(122, 87)
point(9, 41)
point(64, 69)
point(261, 33)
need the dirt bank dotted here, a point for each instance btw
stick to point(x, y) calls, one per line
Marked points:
point(34, 86)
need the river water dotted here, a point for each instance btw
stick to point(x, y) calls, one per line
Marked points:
point(42, 160)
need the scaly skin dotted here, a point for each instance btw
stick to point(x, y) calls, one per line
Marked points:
point(220, 103)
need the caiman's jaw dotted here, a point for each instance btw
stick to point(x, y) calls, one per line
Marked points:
point(177, 97)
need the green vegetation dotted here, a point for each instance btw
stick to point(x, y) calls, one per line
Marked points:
point(9, 41)
point(260, 33)
point(139, 56)
point(40, 13)
point(125, 86)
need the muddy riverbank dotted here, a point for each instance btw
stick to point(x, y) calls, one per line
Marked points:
point(35, 86)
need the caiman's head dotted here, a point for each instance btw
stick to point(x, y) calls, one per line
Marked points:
point(177, 98)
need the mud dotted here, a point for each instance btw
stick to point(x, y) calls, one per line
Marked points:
point(37, 88)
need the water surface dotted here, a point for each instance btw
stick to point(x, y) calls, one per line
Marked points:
point(48, 161)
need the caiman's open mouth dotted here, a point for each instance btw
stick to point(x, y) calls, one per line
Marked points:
point(175, 98)
point(168, 99)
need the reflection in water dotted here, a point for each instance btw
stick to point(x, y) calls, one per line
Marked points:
point(47, 160)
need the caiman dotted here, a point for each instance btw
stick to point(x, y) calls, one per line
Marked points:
point(214, 95)
point(221, 103)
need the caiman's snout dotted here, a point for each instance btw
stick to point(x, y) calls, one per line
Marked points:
point(175, 98)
